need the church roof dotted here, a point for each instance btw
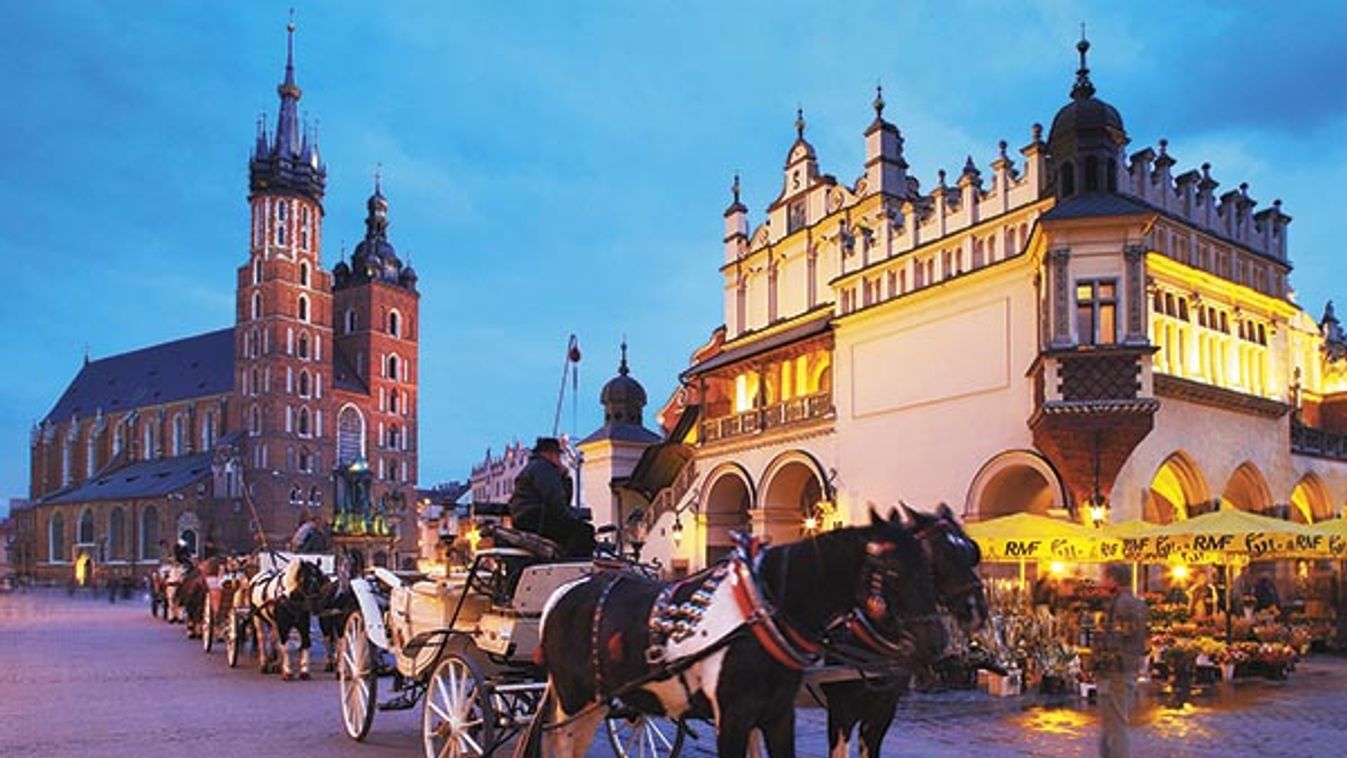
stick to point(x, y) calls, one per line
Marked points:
point(622, 433)
point(142, 479)
point(165, 373)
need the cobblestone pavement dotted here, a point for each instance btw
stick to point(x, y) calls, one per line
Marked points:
point(81, 677)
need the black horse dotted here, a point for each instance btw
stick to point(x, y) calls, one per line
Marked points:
point(871, 703)
point(283, 602)
point(334, 604)
point(731, 643)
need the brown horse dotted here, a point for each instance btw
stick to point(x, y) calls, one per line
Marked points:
point(193, 594)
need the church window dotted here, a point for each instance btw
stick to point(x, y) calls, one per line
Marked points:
point(90, 455)
point(257, 305)
point(303, 308)
point(253, 382)
point(148, 453)
point(56, 538)
point(208, 431)
point(149, 533)
point(118, 440)
point(304, 274)
point(393, 323)
point(280, 233)
point(255, 421)
point(65, 462)
point(117, 534)
point(302, 425)
point(257, 273)
point(177, 434)
point(392, 372)
point(305, 461)
point(350, 435)
point(303, 345)
point(289, 419)
point(304, 238)
point(350, 320)
point(296, 495)
point(394, 441)
point(1096, 312)
point(86, 530)
point(315, 495)
point(303, 383)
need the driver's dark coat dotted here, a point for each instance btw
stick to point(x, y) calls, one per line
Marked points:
point(541, 491)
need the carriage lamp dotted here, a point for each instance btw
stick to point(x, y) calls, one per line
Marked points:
point(678, 531)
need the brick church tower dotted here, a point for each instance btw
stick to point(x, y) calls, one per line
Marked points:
point(283, 323)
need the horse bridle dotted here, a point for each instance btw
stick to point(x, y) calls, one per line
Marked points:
point(872, 606)
point(941, 527)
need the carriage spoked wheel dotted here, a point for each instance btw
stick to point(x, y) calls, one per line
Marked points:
point(207, 626)
point(359, 677)
point(233, 640)
point(635, 735)
point(458, 719)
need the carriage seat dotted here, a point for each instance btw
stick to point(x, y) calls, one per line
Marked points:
point(538, 546)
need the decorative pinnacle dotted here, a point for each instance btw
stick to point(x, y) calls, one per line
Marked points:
point(1164, 145)
point(879, 102)
point(622, 367)
point(1001, 149)
point(1083, 88)
point(799, 122)
point(734, 189)
point(378, 178)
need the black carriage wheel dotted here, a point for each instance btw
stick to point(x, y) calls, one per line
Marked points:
point(207, 626)
point(458, 717)
point(635, 735)
point(358, 674)
point(233, 640)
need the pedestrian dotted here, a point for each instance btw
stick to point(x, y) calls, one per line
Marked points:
point(541, 502)
point(1117, 660)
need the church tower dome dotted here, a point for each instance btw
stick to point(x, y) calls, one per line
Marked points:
point(623, 398)
point(1086, 139)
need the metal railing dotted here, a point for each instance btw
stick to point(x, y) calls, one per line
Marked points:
point(796, 410)
point(1306, 440)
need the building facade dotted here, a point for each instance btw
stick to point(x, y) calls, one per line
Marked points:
point(1077, 331)
point(305, 406)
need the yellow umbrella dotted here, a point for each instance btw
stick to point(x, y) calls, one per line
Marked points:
point(1328, 540)
point(1229, 533)
point(1026, 536)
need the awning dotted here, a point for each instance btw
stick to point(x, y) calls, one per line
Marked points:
point(733, 354)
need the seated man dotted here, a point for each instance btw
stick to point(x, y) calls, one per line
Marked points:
point(541, 502)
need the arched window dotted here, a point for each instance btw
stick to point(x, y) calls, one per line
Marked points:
point(118, 440)
point(315, 497)
point(350, 435)
point(90, 454)
point(303, 422)
point(305, 461)
point(281, 209)
point(254, 344)
point(208, 431)
point(303, 383)
point(86, 530)
point(256, 425)
point(149, 533)
point(304, 231)
point(304, 270)
point(56, 538)
point(257, 273)
point(254, 382)
point(350, 320)
point(392, 372)
point(177, 434)
point(148, 434)
point(303, 308)
point(117, 534)
point(394, 437)
point(1091, 174)
point(393, 401)
point(303, 345)
point(257, 305)
point(66, 463)
point(295, 495)
point(1067, 178)
point(393, 323)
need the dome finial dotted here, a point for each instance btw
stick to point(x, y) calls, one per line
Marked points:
point(799, 122)
point(734, 189)
point(622, 367)
point(378, 179)
point(1083, 88)
point(878, 103)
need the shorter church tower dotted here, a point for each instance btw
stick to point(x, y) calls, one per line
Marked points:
point(612, 450)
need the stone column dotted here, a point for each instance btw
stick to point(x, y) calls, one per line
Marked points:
point(1135, 294)
point(1061, 298)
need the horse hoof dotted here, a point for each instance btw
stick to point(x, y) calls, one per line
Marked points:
point(286, 677)
point(304, 676)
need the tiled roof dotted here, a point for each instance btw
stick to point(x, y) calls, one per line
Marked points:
point(142, 479)
point(164, 373)
point(623, 433)
point(736, 352)
point(1096, 206)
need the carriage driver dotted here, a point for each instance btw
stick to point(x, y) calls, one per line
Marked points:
point(541, 502)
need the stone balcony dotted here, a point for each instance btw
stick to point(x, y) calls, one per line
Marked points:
point(1307, 440)
point(797, 411)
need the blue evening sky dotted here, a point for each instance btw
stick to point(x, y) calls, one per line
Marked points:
point(559, 167)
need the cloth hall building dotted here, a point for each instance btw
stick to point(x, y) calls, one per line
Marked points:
point(304, 406)
point(1072, 325)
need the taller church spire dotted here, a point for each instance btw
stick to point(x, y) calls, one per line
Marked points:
point(289, 162)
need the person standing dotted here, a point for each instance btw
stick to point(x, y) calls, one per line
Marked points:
point(541, 502)
point(1119, 657)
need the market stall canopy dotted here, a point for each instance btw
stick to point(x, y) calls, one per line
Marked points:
point(1330, 539)
point(1029, 537)
point(1227, 536)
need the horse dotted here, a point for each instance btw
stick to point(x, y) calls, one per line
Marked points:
point(872, 703)
point(335, 603)
point(731, 642)
point(283, 601)
point(191, 597)
point(172, 581)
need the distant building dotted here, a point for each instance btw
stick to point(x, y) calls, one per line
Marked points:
point(492, 480)
point(306, 405)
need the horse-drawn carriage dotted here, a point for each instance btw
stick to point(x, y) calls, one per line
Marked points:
point(464, 643)
point(249, 604)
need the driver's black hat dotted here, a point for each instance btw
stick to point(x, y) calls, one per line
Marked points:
point(547, 445)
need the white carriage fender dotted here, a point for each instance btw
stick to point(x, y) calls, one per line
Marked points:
point(369, 609)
